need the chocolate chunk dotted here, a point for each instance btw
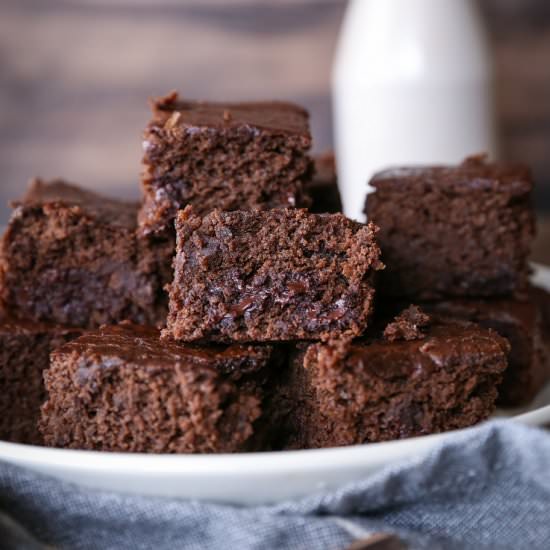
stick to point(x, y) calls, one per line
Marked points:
point(408, 325)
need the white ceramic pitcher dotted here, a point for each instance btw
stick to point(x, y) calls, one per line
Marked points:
point(412, 84)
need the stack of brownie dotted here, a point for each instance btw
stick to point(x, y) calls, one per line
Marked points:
point(234, 308)
point(456, 240)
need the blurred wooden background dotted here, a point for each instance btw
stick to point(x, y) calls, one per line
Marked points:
point(75, 76)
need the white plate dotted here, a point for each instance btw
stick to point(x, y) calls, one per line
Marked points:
point(242, 478)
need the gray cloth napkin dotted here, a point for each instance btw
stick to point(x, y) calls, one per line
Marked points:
point(486, 488)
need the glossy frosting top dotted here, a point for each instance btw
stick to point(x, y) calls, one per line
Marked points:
point(105, 209)
point(276, 117)
point(448, 345)
point(142, 346)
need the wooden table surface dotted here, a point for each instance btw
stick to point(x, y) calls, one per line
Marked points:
point(75, 77)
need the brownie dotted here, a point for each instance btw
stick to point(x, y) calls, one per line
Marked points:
point(156, 258)
point(72, 257)
point(231, 156)
point(323, 188)
point(521, 323)
point(345, 392)
point(275, 275)
point(461, 230)
point(24, 355)
point(119, 388)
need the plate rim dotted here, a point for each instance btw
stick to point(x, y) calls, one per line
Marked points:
point(255, 463)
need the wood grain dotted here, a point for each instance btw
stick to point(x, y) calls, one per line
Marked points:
point(75, 75)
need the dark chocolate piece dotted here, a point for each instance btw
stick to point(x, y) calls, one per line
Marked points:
point(282, 274)
point(220, 155)
point(453, 231)
point(121, 389)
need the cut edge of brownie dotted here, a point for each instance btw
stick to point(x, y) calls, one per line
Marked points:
point(120, 389)
point(222, 155)
point(274, 275)
point(348, 392)
point(71, 256)
point(453, 231)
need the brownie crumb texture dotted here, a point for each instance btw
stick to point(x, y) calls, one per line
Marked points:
point(121, 389)
point(521, 322)
point(236, 156)
point(454, 230)
point(72, 257)
point(410, 324)
point(277, 275)
point(345, 392)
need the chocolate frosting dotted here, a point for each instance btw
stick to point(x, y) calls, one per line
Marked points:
point(275, 117)
point(105, 210)
point(140, 345)
point(445, 346)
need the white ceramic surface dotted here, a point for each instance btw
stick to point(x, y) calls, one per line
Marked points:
point(412, 84)
point(243, 478)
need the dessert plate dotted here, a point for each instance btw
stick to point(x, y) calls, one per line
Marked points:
point(247, 478)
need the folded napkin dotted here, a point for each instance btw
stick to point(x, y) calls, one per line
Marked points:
point(487, 488)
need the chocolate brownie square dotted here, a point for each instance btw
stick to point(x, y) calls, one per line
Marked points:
point(231, 156)
point(323, 188)
point(24, 355)
point(520, 321)
point(120, 388)
point(453, 230)
point(345, 393)
point(276, 275)
point(72, 257)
